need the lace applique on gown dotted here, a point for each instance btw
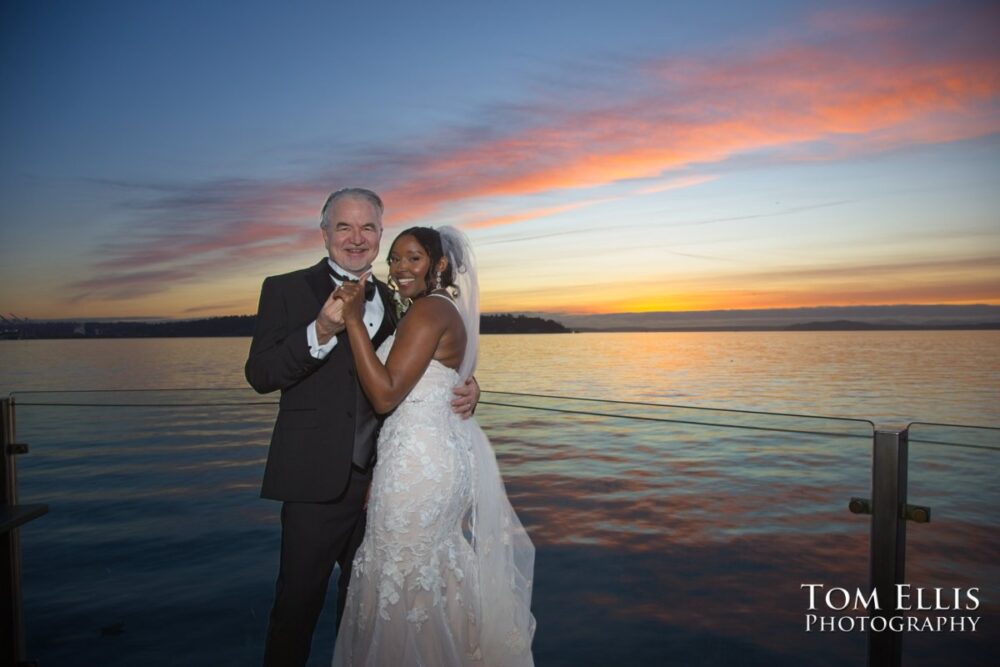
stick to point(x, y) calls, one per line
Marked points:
point(436, 582)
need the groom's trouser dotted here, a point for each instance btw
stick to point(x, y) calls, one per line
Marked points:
point(314, 536)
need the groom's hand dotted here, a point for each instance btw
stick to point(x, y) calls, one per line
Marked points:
point(330, 320)
point(466, 398)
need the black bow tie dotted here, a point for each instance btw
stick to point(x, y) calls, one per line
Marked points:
point(369, 285)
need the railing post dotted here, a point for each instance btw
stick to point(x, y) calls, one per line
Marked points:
point(8, 466)
point(11, 610)
point(888, 539)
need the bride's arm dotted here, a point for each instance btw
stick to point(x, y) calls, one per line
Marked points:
point(416, 341)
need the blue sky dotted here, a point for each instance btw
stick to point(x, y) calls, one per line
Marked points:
point(159, 159)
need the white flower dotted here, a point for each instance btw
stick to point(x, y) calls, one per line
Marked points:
point(417, 615)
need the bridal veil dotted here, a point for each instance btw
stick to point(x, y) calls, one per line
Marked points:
point(503, 550)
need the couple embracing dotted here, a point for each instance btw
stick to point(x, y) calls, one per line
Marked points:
point(379, 467)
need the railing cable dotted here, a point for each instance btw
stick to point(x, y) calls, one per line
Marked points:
point(587, 413)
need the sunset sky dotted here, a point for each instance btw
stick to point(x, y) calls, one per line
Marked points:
point(159, 159)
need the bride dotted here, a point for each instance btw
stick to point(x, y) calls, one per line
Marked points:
point(443, 576)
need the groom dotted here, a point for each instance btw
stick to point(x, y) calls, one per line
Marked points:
point(323, 447)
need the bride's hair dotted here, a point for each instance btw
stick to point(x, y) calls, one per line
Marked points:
point(430, 240)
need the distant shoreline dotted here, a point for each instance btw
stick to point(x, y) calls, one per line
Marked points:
point(223, 327)
point(241, 326)
point(889, 317)
point(804, 327)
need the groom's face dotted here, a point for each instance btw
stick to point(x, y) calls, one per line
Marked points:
point(353, 233)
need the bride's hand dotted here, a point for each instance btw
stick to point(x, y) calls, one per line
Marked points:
point(353, 296)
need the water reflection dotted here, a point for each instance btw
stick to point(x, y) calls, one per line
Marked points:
point(685, 543)
point(960, 548)
point(658, 541)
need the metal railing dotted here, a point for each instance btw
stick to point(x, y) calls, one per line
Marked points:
point(887, 504)
point(12, 515)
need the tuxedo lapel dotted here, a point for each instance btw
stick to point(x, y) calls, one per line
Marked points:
point(319, 281)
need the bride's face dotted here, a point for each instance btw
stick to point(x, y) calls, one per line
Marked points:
point(408, 265)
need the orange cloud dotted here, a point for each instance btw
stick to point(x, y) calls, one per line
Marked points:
point(964, 280)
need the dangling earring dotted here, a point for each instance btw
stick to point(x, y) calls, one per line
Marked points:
point(437, 280)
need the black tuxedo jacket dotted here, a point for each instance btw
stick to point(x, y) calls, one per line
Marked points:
point(309, 459)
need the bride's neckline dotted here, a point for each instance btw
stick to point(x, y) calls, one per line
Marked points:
point(446, 296)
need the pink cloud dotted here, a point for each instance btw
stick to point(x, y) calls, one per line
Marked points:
point(678, 183)
point(860, 91)
point(531, 214)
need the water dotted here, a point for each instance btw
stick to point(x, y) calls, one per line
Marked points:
point(658, 542)
point(950, 376)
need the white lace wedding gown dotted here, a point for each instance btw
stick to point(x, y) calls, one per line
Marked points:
point(443, 576)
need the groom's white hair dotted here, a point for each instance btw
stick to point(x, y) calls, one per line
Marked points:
point(360, 193)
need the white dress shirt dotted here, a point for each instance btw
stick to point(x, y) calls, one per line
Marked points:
point(374, 312)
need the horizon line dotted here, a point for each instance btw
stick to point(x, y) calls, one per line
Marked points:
point(13, 320)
